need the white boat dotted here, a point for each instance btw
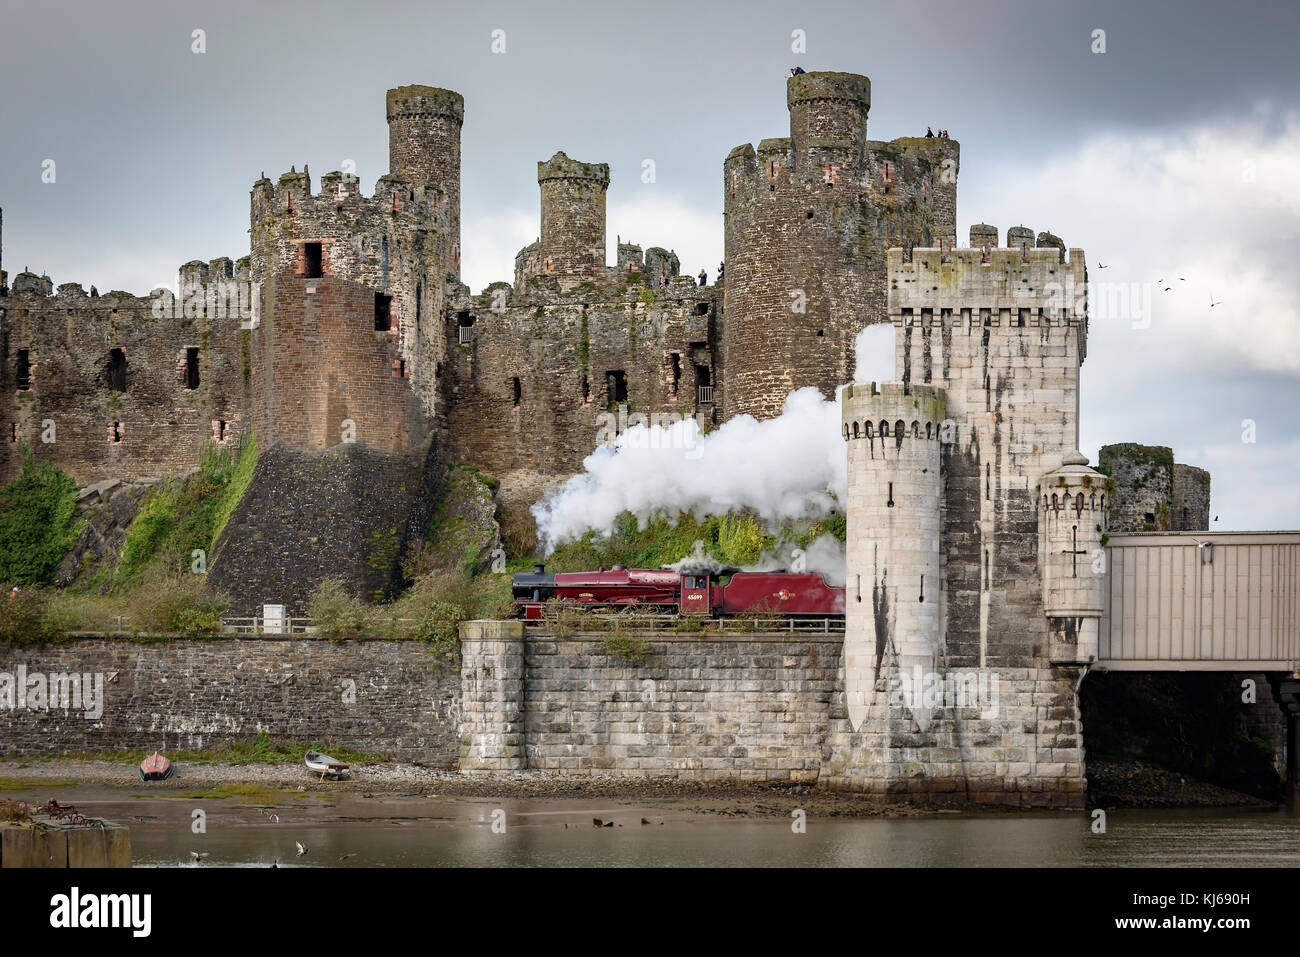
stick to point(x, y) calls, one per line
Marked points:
point(325, 766)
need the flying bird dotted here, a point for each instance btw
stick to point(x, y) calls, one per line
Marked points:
point(196, 857)
point(302, 851)
point(1101, 265)
point(346, 856)
point(1214, 302)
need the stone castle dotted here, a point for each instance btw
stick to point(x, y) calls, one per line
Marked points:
point(347, 344)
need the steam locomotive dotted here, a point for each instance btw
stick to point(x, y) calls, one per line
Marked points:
point(715, 594)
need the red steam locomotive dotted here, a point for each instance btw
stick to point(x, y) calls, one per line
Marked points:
point(712, 594)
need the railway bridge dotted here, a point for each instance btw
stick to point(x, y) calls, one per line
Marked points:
point(1208, 601)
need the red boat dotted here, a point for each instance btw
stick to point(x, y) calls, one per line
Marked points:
point(155, 768)
point(710, 594)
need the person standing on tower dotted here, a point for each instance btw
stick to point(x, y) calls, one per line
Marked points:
point(704, 277)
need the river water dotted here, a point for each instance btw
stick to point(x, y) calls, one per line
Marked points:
point(410, 831)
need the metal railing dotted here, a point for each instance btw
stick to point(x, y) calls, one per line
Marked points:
point(466, 334)
point(706, 395)
point(686, 625)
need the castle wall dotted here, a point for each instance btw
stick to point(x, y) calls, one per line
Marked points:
point(73, 396)
point(562, 348)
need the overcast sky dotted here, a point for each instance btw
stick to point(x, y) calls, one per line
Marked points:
point(1175, 153)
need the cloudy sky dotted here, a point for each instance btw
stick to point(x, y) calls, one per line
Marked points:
point(1174, 155)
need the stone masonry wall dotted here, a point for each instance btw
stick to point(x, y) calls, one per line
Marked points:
point(766, 706)
point(157, 425)
point(199, 694)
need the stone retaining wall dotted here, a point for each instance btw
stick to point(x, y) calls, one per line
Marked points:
point(378, 697)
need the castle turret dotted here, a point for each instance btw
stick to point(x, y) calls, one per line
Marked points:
point(828, 119)
point(892, 621)
point(573, 217)
point(1071, 524)
point(424, 125)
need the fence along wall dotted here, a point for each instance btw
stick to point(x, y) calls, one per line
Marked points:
point(1175, 605)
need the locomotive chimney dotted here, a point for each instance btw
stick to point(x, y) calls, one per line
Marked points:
point(539, 568)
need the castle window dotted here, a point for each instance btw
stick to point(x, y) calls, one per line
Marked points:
point(586, 391)
point(312, 260)
point(191, 368)
point(701, 308)
point(1024, 316)
point(856, 433)
point(384, 312)
point(884, 428)
point(115, 433)
point(1149, 518)
point(13, 431)
point(399, 368)
point(808, 215)
point(676, 371)
point(518, 391)
point(24, 372)
point(117, 370)
point(900, 429)
point(616, 386)
point(419, 306)
point(219, 430)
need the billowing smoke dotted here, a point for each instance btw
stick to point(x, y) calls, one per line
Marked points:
point(824, 556)
point(789, 467)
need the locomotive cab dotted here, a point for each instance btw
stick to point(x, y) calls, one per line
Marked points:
point(695, 595)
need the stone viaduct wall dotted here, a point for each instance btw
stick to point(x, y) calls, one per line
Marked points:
point(767, 706)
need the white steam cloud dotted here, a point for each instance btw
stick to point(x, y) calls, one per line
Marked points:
point(789, 467)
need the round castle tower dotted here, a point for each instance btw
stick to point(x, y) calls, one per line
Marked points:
point(1071, 523)
point(807, 220)
point(424, 125)
point(892, 619)
point(573, 217)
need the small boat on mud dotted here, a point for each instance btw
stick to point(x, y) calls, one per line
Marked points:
point(155, 768)
point(325, 766)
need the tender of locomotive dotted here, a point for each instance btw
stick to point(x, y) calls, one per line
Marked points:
point(707, 594)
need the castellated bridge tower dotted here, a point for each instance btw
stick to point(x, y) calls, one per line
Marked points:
point(1071, 523)
point(807, 221)
point(970, 690)
point(424, 125)
point(572, 244)
point(892, 610)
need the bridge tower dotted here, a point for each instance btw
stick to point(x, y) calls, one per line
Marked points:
point(892, 606)
point(1071, 524)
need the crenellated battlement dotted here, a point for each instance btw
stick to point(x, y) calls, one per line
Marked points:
point(1000, 287)
point(890, 410)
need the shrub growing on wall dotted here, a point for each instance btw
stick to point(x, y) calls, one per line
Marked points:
point(38, 522)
